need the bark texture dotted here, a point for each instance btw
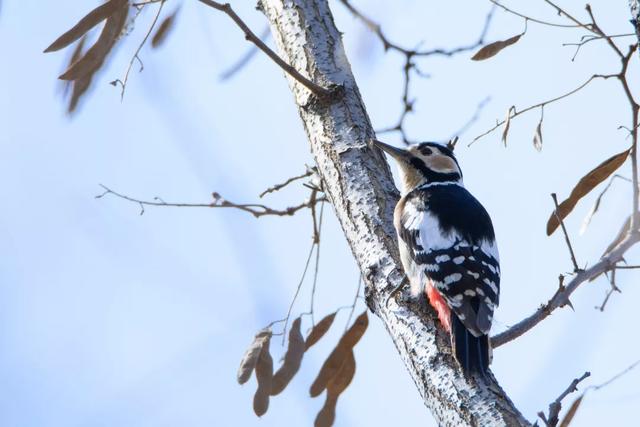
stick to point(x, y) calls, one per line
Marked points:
point(359, 184)
point(634, 6)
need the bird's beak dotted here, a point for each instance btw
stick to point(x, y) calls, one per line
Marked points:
point(396, 153)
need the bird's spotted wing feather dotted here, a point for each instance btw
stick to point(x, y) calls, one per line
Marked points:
point(459, 255)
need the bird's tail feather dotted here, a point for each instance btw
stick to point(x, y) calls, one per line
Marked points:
point(473, 353)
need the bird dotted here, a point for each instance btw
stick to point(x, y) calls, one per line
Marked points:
point(448, 248)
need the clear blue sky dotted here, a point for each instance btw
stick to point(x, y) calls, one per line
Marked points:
point(116, 319)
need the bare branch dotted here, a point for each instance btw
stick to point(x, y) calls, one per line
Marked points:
point(135, 56)
point(257, 210)
point(612, 289)
point(544, 103)
point(566, 235)
point(389, 45)
point(529, 18)
point(249, 35)
point(556, 406)
point(409, 64)
point(615, 377)
point(316, 239)
point(561, 297)
point(295, 295)
point(277, 187)
point(353, 305)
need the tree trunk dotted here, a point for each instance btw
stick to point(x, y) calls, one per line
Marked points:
point(634, 6)
point(359, 184)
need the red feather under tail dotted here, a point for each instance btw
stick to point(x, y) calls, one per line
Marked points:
point(440, 305)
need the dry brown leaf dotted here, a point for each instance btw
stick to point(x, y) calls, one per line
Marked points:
point(584, 186)
point(335, 360)
point(319, 330)
point(264, 375)
point(95, 56)
point(507, 124)
point(79, 88)
point(492, 49)
point(537, 137)
point(92, 19)
point(292, 359)
point(163, 30)
point(336, 386)
point(250, 357)
point(621, 235)
point(571, 412)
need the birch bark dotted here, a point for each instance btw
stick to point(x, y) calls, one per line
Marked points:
point(360, 187)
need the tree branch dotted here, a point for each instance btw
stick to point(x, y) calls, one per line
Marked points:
point(561, 297)
point(529, 18)
point(257, 210)
point(409, 64)
point(566, 235)
point(556, 406)
point(249, 35)
point(544, 103)
point(359, 184)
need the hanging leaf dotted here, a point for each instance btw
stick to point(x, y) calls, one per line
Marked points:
point(319, 330)
point(336, 386)
point(571, 412)
point(250, 358)
point(335, 360)
point(537, 137)
point(598, 202)
point(264, 375)
point(494, 48)
point(92, 19)
point(620, 237)
point(292, 359)
point(507, 124)
point(584, 186)
point(95, 56)
point(163, 30)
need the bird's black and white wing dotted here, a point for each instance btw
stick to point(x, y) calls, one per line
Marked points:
point(446, 236)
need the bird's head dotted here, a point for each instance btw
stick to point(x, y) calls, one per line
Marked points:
point(426, 162)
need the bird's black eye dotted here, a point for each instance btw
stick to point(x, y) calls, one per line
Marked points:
point(426, 151)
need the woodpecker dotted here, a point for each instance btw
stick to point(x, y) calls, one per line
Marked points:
point(447, 248)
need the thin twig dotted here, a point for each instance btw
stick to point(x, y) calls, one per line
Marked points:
point(561, 296)
point(295, 296)
point(529, 18)
point(409, 64)
point(355, 301)
point(596, 29)
point(589, 38)
point(556, 406)
point(257, 210)
point(389, 45)
point(137, 53)
point(249, 35)
point(278, 187)
point(316, 240)
point(615, 377)
point(544, 103)
point(613, 288)
point(566, 235)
